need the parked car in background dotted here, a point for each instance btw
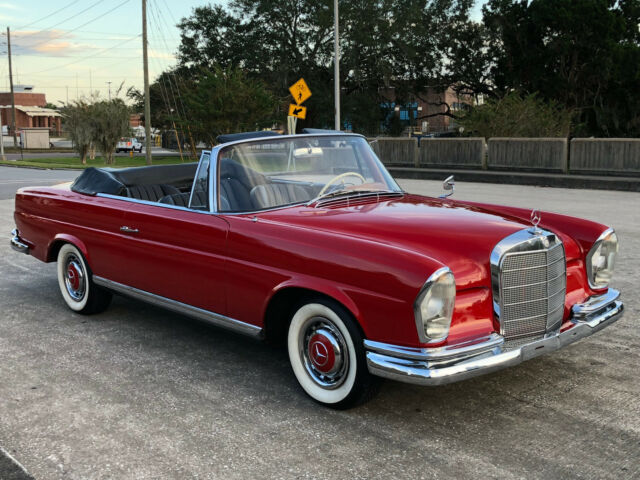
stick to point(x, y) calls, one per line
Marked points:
point(129, 144)
point(308, 240)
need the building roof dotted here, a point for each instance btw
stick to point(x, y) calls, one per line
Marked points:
point(35, 111)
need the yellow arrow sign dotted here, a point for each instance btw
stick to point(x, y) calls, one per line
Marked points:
point(297, 111)
point(300, 91)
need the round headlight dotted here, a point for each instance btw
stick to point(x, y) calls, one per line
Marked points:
point(433, 307)
point(601, 259)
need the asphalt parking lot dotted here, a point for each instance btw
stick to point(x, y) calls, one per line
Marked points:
point(141, 393)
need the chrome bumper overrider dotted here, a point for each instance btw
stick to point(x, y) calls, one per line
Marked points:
point(17, 244)
point(439, 366)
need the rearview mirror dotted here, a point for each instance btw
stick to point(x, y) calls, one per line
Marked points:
point(448, 184)
point(307, 152)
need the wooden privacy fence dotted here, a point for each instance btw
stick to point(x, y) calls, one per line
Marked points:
point(528, 154)
point(608, 156)
point(605, 156)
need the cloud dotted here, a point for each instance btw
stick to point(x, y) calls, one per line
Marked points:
point(49, 43)
point(9, 6)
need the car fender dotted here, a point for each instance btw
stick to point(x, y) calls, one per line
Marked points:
point(67, 238)
point(330, 289)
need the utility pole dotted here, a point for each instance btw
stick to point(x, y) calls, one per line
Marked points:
point(336, 64)
point(2, 157)
point(13, 97)
point(109, 83)
point(147, 104)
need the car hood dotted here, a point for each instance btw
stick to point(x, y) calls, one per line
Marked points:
point(452, 233)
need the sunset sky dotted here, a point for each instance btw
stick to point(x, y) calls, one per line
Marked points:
point(72, 47)
point(69, 48)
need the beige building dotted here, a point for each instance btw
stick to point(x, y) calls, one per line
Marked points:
point(30, 112)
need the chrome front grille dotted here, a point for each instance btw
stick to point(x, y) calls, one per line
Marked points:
point(529, 283)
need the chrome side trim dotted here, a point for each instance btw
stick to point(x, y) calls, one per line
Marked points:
point(148, 202)
point(17, 244)
point(199, 313)
point(430, 367)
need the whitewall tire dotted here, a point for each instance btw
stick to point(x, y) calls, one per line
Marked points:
point(327, 355)
point(76, 285)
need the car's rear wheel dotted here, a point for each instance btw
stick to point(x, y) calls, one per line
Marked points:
point(76, 285)
point(327, 355)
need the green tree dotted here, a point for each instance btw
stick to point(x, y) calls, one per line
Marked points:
point(518, 116)
point(582, 54)
point(389, 48)
point(110, 120)
point(224, 100)
point(77, 117)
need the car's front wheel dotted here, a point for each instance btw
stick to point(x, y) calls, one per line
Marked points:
point(327, 355)
point(76, 285)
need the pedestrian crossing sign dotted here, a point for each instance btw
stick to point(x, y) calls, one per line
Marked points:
point(300, 91)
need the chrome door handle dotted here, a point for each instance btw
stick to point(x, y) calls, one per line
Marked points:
point(126, 229)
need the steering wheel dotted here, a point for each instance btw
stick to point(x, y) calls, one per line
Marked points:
point(339, 177)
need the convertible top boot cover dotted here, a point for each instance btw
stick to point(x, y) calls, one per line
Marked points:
point(97, 180)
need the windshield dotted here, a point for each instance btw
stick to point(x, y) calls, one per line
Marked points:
point(275, 172)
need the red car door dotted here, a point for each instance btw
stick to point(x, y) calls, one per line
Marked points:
point(177, 254)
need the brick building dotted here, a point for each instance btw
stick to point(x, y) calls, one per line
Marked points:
point(30, 111)
point(431, 107)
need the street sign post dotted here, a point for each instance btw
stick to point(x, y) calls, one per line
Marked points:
point(300, 92)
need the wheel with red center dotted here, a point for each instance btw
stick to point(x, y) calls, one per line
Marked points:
point(77, 288)
point(327, 355)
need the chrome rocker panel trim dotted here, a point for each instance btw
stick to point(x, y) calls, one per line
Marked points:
point(439, 366)
point(179, 307)
point(17, 244)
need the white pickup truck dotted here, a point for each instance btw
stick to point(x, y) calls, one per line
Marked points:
point(129, 144)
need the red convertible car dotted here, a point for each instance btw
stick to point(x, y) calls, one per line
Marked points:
point(308, 240)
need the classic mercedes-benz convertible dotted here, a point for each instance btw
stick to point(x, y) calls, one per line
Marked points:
point(307, 240)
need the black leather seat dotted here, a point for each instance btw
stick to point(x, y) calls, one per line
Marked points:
point(276, 194)
point(152, 193)
point(182, 199)
point(236, 182)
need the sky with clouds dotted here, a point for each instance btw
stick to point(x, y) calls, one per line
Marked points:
point(70, 48)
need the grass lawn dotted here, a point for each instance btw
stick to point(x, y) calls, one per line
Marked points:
point(74, 162)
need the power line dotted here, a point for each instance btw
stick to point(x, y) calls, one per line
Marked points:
point(66, 19)
point(67, 56)
point(86, 23)
point(50, 15)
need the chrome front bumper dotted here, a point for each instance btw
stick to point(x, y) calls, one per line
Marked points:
point(17, 244)
point(439, 366)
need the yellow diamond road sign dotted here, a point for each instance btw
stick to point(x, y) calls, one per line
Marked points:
point(297, 111)
point(300, 91)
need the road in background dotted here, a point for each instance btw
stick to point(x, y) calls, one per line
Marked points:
point(138, 392)
point(11, 179)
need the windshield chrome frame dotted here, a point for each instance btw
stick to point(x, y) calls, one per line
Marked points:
point(215, 153)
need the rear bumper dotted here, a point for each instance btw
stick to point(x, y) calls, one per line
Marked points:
point(17, 244)
point(439, 366)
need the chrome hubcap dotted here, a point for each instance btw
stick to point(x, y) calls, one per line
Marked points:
point(74, 278)
point(324, 352)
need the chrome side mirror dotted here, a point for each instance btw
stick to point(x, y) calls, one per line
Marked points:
point(448, 184)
